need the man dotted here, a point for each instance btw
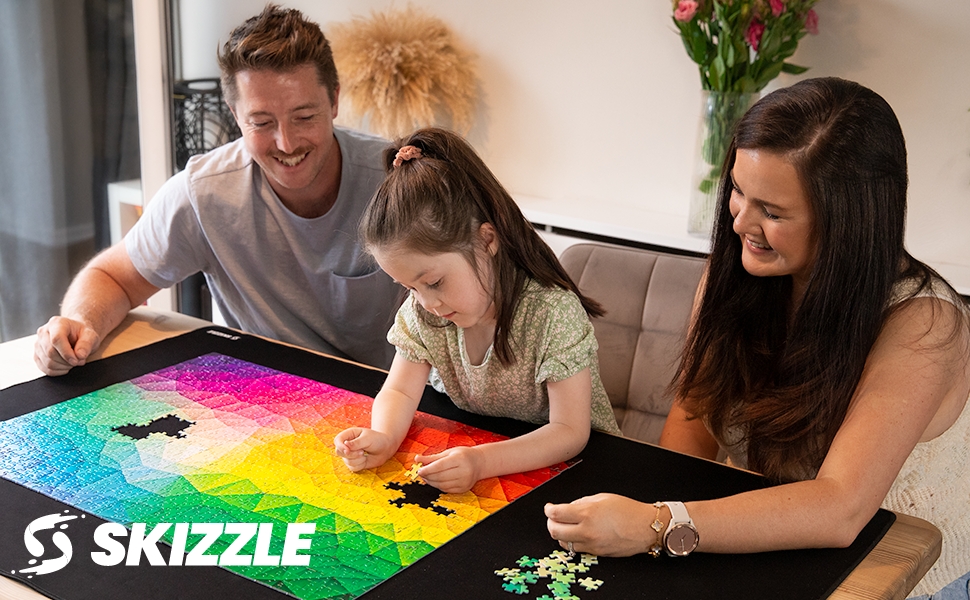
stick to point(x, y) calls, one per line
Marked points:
point(271, 219)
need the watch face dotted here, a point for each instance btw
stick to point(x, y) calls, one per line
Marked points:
point(681, 540)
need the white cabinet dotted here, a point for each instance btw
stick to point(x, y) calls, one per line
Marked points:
point(125, 202)
point(124, 207)
point(563, 223)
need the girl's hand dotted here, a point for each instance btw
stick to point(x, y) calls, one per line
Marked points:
point(453, 471)
point(362, 448)
point(604, 525)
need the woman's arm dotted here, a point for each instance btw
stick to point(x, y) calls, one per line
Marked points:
point(391, 417)
point(457, 469)
point(914, 385)
point(690, 436)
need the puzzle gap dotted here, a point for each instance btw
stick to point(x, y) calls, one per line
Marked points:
point(169, 425)
point(419, 494)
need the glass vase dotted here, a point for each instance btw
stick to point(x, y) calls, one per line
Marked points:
point(720, 112)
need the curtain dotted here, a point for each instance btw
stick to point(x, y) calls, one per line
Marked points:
point(114, 103)
point(68, 120)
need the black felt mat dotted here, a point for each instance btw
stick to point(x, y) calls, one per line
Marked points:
point(463, 567)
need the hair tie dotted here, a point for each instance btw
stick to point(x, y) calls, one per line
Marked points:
point(405, 154)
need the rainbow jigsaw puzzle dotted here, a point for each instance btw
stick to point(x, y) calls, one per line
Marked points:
point(217, 439)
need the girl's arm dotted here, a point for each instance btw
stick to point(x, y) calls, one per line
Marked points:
point(391, 417)
point(457, 469)
point(913, 387)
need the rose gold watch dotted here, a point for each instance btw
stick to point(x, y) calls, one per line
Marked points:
point(681, 536)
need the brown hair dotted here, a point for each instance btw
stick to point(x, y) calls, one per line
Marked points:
point(276, 39)
point(784, 376)
point(436, 203)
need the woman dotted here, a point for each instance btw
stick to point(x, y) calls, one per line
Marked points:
point(821, 353)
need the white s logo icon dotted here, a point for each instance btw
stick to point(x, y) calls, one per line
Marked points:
point(59, 538)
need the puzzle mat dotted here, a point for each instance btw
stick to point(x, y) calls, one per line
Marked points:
point(467, 562)
point(220, 439)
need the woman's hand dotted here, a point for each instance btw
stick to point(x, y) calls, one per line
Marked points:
point(363, 448)
point(604, 525)
point(453, 471)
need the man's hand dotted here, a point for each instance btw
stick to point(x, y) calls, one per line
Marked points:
point(95, 303)
point(63, 344)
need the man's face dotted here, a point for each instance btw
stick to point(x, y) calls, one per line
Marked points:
point(286, 118)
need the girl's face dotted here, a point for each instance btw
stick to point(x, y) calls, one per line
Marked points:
point(446, 284)
point(773, 217)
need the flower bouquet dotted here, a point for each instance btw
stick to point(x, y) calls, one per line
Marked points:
point(739, 47)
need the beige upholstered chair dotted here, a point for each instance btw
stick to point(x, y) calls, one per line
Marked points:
point(648, 298)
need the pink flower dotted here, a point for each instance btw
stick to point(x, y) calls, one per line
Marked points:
point(811, 22)
point(686, 9)
point(777, 7)
point(754, 33)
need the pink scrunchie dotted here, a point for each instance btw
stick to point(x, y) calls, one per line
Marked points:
point(405, 154)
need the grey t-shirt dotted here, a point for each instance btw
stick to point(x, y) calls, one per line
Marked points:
point(271, 272)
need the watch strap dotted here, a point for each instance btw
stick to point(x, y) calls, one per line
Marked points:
point(678, 514)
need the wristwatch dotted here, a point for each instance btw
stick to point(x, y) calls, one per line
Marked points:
point(681, 537)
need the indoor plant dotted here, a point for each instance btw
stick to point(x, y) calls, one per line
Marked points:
point(739, 46)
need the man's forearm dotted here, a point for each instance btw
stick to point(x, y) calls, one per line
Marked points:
point(97, 300)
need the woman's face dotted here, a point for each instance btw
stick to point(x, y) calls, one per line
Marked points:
point(773, 217)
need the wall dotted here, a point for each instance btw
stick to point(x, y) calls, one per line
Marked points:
point(595, 102)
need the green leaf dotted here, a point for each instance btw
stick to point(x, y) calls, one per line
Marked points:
point(746, 85)
point(770, 72)
point(769, 43)
point(788, 47)
point(718, 73)
point(692, 53)
point(703, 48)
point(792, 69)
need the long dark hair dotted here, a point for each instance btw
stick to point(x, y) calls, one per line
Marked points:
point(437, 203)
point(782, 373)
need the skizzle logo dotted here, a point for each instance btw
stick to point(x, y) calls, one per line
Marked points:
point(211, 544)
point(58, 538)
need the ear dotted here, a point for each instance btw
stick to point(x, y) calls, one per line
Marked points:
point(486, 233)
point(234, 115)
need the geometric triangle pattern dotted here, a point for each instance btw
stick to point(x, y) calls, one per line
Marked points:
point(217, 439)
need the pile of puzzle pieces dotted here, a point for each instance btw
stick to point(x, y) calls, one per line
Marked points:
point(558, 567)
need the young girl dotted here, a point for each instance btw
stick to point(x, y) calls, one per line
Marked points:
point(492, 317)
